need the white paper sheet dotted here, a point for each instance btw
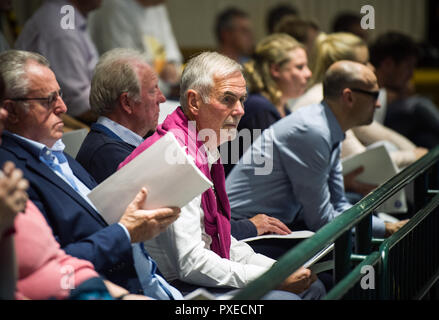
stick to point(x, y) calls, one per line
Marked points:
point(378, 168)
point(169, 174)
point(293, 235)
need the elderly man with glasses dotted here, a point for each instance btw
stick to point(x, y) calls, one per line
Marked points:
point(304, 187)
point(58, 185)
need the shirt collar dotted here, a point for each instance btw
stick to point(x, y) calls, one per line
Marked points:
point(122, 132)
point(38, 148)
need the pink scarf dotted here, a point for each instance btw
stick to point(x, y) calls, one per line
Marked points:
point(216, 208)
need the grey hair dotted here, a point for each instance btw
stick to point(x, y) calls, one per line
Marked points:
point(344, 75)
point(200, 72)
point(115, 74)
point(13, 71)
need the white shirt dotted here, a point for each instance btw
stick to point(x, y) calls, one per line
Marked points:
point(183, 252)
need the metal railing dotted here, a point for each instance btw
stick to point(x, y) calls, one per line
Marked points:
point(424, 174)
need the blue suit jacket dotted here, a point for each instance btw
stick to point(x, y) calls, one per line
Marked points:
point(79, 229)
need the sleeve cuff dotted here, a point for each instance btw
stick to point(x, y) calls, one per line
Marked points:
point(126, 231)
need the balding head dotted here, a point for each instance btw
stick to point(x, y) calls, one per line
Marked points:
point(351, 90)
point(347, 74)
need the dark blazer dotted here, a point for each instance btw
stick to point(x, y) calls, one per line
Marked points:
point(79, 229)
point(101, 152)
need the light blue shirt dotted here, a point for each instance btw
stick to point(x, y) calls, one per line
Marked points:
point(122, 132)
point(67, 45)
point(294, 169)
point(153, 284)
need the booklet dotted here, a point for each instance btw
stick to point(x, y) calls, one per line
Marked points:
point(378, 168)
point(293, 235)
point(169, 174)
point(321, 266)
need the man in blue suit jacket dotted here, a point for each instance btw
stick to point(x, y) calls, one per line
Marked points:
point(59, 185)
point(125, 95)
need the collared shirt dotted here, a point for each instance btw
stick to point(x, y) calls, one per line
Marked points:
point(45, 152)
point(183, 252)
point(154, 286)
point(122, 132)
point(294, 169)
point(71, 52)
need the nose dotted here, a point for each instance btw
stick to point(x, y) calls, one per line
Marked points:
point(162, 97)
point(239, 110)
point(308, 73)
point(60, 106)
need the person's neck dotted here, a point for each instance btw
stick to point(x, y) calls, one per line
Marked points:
point(280, 106)
point(341, 116)
point(129, 125)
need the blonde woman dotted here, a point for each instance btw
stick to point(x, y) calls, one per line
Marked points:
point(278, 72)
point(330, 48)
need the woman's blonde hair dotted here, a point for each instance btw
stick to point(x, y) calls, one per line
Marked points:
point(272, 49)
point(330, 48)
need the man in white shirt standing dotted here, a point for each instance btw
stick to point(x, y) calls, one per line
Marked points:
point(198, 249)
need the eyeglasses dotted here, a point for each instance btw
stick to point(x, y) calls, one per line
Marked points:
point(51, 99)
point(374, 94)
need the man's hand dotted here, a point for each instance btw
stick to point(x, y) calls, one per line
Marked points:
point(13, 195)
point(146, 224)
point(269, 225)
point(392, 227)
point(299, 281)
point(350, 184)
point(420, 152)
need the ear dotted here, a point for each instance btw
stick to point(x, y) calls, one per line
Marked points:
point(126, 103)
point(275, 71)
point(13, 111)
point(347, 97)
point(193, 102)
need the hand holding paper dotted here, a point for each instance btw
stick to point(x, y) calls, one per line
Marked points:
point(299, 281)
point(144, 225)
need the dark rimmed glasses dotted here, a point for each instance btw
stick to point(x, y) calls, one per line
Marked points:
point(374, 94)
point(51, 99)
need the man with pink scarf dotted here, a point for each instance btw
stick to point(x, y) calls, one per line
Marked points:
point(198, 249)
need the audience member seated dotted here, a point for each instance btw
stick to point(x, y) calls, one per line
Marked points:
point(198, 248)
point(68, 47)
point(125, 95)
point(59, 185)
point(304, 31)
point(277, 13)
point(126, 116)
point(278, 72)
point(345, 46)
point(234, 34)
point(143, 25)
point(394, 56)
point(349, 22)
point(5, 7)
point(293, 170)
point(33, 266)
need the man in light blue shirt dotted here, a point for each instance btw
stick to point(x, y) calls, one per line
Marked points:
point(58, 31)
point(293, 170)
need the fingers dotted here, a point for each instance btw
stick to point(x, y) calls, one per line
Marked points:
point(139, 199)
point(283, 229)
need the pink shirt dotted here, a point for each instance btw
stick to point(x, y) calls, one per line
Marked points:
point(44, 269)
